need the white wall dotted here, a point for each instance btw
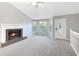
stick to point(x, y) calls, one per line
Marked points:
point(73, 21)
point(27, 29)
point(11, 17)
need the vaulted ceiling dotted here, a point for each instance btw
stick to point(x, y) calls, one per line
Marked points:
point(47, 9)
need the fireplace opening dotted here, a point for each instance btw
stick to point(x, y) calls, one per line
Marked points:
point(13, 34)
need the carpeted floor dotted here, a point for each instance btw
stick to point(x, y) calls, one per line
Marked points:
point(38, 46)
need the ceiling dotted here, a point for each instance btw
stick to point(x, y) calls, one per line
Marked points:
point(47, 9)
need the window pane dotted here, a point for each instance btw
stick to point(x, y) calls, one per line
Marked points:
point(43, 26)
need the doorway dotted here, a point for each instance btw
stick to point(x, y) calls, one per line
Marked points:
point(60, 27)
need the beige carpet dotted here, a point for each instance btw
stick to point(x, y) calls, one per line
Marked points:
point(38, 46)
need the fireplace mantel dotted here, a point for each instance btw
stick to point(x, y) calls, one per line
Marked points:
point(4, 27)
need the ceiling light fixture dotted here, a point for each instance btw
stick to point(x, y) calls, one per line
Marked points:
point(36, 4)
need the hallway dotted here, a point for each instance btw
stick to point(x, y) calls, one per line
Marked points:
point(39, 46)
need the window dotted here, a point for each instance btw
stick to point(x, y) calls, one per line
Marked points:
point(41, 27)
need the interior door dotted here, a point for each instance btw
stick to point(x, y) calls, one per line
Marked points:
point(60, 28)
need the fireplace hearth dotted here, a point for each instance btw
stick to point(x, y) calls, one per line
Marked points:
point(13, 34)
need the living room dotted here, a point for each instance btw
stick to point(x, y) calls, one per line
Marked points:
point(39, 28)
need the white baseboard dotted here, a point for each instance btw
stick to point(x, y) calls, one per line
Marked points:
point(74, 50)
